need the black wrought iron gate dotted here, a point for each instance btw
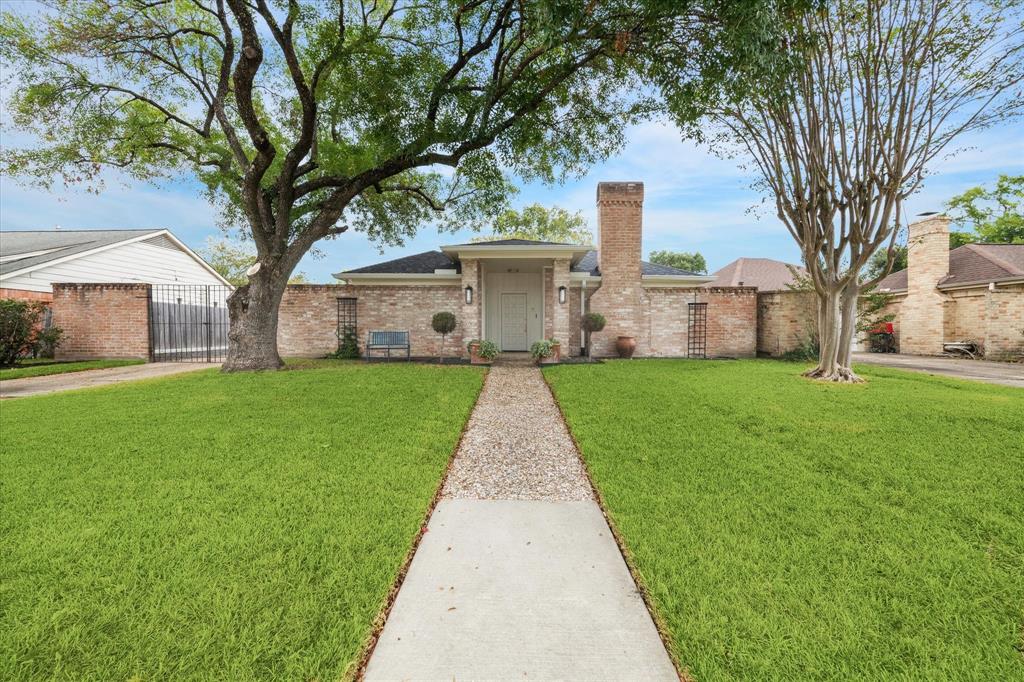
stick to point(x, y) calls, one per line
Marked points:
point(697, 330)
point(188, 322)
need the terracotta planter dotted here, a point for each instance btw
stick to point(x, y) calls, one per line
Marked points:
point(474, 357)
point(556, 355)
point(625, 345)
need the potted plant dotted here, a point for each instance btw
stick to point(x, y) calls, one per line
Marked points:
point(482, 352)
point(546, 351)
point(591, 322)
point(624, 346)
point(443, 324)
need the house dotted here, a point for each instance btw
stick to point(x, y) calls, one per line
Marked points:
point(972, 293)
point(764, 273)
point(515, 292)
point(31, 262)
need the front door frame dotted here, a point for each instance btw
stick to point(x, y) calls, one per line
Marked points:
point(501, 320)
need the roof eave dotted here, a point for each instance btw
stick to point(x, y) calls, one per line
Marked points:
point(676, 280)
point(574, 252)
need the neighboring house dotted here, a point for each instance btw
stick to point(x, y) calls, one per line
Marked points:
point(515, 292)
point(764, 273)
point(32, 261)
point(972, 293)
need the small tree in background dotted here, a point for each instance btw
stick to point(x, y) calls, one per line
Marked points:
point(683, 260)
point(542, 224)
point(231, 258)
point(591, 322)
point(996, 216)
point(443, 324)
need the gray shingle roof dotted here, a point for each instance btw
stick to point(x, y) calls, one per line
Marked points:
point(418, 264)
point(57, 243)
point(428, 261)
point(764, 273)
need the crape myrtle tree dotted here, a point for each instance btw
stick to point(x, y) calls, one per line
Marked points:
point(305, 120)
point(876, 92)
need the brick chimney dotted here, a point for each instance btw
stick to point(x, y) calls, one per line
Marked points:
point(922, 313)
point(621, 298)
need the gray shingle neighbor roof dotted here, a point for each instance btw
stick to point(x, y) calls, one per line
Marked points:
point(428, 261)
point(57, 243)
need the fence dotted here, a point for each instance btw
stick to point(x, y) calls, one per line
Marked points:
point(188, 322)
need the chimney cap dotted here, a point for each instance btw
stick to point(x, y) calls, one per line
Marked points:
point(633, 188)
point(927, 213)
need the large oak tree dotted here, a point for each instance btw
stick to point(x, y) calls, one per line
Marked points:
point(308, 119)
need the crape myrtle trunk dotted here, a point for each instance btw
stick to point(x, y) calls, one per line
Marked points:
point(837, 309)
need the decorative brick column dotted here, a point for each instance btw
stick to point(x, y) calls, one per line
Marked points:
point(621, 298)
point(560, 316)
point(470, 318)
point(922, 315)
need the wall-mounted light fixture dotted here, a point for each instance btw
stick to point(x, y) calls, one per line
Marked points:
point(469, 295)
point(561, 294)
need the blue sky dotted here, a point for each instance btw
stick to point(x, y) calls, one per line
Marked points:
point(694, 201)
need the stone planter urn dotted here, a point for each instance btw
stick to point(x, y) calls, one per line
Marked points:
point(625, 346)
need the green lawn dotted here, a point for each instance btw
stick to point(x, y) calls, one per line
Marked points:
point(41, 368)
point(231, 527)
point(792, 530)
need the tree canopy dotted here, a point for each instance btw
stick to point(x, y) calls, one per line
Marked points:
point(994, 216)
point(684, 260)
point(306, 120)
point(540, 223)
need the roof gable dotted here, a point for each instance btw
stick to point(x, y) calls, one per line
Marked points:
point(764, 273)
point(971, 264)
point(56, 244)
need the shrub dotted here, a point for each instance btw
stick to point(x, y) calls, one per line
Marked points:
point(591, 322)
point(488, 350)
point(444, 324)
point(348, 349)
point(544, 348)
point(21, 331)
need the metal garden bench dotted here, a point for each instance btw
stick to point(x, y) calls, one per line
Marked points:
point(387, 341)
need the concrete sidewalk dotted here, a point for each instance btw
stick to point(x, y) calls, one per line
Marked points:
point(1003, 373)
point(54, 383)
point(518, 575)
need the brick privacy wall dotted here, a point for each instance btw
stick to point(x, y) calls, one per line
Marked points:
point(785, 320)
point(621, 297)
point(25, 295)
point(309, 316)
point(102, 320)
point(923, 314)
point(732, 321)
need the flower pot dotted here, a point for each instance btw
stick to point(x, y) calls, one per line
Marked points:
point(625, 345)
point(555, 357)
point(474, 357)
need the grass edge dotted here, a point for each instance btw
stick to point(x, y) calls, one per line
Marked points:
point(359, 671)
point(627, 556)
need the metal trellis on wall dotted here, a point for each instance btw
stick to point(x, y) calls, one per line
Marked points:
point(697, 330)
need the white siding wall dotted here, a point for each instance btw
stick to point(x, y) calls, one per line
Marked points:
point(137, 262)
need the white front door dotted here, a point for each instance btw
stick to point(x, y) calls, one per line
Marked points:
point(513, 322)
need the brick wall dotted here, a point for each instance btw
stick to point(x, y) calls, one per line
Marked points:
point(25, 295)
point(102, 320)
point(309, 316)
point(785, 320)
point(1004, 329)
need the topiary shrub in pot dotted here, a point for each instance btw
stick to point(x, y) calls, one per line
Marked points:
point(482, 352)
point(443, 324)
point(591, 322)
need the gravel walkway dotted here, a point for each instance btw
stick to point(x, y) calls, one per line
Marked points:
point(516, 446)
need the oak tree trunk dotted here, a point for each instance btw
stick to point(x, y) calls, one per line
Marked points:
point(254, 307)
point(833, 353)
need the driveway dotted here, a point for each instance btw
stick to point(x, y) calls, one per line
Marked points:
point(21, 388)
point(518, 576)
point(1004, 373)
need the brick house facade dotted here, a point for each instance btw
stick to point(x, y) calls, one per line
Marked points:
point(972, 293)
